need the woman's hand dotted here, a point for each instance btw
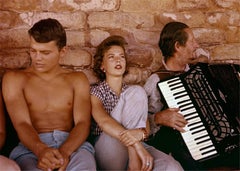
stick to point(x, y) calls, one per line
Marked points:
point(145, 157)
point(129, 137)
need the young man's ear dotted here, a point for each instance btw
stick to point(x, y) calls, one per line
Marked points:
point(64, 50)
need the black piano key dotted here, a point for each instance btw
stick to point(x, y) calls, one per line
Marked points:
point(189, 125)
point(179, 103)
point(206, 152)
point(200, 142)
point(182, 110)
point(198, 138)
point(203, 148)
point(175, 85)
point(189, 114)
point(180, 92)
point(181, 106)
point(198, 131)
point(177, 97)
point(173, 81)
point(191, 117)
point(191, 129)
point(174, 88)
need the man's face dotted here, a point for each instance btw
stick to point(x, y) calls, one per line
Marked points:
point(44, 56)
point(187, 51)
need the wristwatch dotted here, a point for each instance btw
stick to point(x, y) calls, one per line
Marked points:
point(144, 135)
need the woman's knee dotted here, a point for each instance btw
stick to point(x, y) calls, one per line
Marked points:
point(110, 153)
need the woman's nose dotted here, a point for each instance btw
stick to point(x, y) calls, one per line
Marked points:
point(118, 59)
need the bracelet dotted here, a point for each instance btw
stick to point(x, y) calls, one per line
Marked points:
point(144, 135)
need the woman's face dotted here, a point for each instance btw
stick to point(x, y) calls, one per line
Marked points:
point(114, 62)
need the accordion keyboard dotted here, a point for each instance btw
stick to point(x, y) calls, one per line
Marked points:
point(195, 136)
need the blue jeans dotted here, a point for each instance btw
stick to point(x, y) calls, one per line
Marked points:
point(81, 159)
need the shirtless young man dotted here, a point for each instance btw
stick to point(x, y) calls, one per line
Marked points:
point(49, 106)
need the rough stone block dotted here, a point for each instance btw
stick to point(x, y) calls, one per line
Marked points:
point(76, 57)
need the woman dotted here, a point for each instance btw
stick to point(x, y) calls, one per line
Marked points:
point(120, 113)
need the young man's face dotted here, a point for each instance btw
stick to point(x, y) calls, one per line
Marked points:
point(44, 56)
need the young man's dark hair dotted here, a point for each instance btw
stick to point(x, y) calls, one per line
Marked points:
point(47, 30)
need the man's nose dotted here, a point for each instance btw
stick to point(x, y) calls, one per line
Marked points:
point(196, 45)
point(38, 56)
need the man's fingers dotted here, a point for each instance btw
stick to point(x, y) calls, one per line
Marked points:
point(58, 156)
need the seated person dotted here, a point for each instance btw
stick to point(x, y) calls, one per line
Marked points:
point(180, 50)
point(5, 163)
point(120, 112)
point(49, 106)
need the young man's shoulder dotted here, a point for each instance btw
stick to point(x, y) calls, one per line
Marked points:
point(16, 74)
point(77, 77)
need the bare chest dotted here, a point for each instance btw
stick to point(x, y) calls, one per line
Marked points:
point(49, 96)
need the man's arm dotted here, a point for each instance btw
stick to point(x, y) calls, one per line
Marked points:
point(81, 114)
point(2, 123)
point(13, 83)
point(12, 87)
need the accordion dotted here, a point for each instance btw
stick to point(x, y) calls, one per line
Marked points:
point(208, 98)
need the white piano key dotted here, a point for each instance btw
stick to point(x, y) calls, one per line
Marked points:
point(193, 146)
point(204, 138)
point(177, 100)
point(194, 120)
point(168, 91)
point(189, 137)
point(200, 156)
point(194, 127)
point(187, 107)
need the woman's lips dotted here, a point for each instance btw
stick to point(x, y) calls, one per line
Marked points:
point(118, 67)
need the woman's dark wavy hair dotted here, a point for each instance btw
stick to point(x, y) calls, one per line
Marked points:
point(104, 46)
point(47, 30)
point(172, 32)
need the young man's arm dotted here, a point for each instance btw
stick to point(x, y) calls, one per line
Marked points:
point(81, 114)
point(12, 87)
point(2, 123)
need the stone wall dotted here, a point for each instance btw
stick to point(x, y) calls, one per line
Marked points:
point(215, 24)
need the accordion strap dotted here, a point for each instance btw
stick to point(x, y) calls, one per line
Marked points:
point(164, 74)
